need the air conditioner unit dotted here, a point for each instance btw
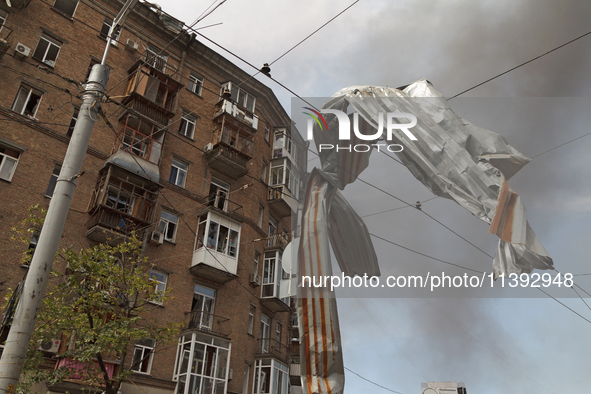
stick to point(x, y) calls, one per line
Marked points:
point(50, 346)
point(131, 45)
point(157, 238)
point(208, 148)
point(255, 279)
point(50, 63)
point(21, 50)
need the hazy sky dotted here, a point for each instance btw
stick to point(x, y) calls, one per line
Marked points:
point(495, 345)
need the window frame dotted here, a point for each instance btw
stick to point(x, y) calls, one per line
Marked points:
point(222, 192)
point(251, 313)
point(5, 158)
point(150, 359)
point(195, 83)
point(50, 42)
point(186, 121)
point(25, 103)
point(167, 222)
point(239, 96)
point(108, 22)
point(73, 121)
point(64, 12)
point(177, 164)
point(160, 285)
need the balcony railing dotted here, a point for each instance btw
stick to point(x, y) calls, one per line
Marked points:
point(139, 145)
point(158, 62)
point(117, 221)
point(81, 371)
point(225, 206)
point(277, 240)
point(228, 161)
point(149, 110)
point(209, 323)
point(272, 347)
point(237, 111)
point(233, 139)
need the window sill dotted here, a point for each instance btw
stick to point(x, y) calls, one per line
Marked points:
point(158, 305)
point(142, 373)
point(187, 137)
point(69, 17)
point(170, 242)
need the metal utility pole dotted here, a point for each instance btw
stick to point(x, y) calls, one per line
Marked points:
point(25, 316)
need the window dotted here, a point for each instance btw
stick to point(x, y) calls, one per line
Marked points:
point(53, 180)
point(267, 132)
point(195, 83)
point(260, 218)
point(202, 307)
point(218, 194)
point(160, 278)
point(257, 258)
point(68, 7)
point(73, 122)
point(239, 96)
point(272, 227)
point(178, 173)
point(168, 225)
point(187, 127)
point(282, 173)
point(104, 34)
point(143, 354)
point(156, 58)
point(3, 16)
point(278, 332)
point(251, 319)
point(270, 377)
point(271, 274)
point(120, 200)
point(47, 50)
point(265, 327)
point(8, 161)
point(245, 378)
point(264, 172)
point(27, 101)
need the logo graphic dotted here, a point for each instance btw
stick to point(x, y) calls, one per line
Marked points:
point(315, 118)
point(393, 120)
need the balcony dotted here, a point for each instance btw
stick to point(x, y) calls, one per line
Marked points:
point(138, 137)
point(83, 376)
point(281, 200)
point(226, 106)
point(209, 323)
point(231, 147)
point(217, 246)
point(295, 374)
point(121, 203)
point(277, 241)
point(151, 90)
point(227, 161)
point(272, 347)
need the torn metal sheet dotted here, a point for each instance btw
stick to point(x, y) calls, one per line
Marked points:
point(454, 159)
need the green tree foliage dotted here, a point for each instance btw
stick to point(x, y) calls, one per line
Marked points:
point(99, 308)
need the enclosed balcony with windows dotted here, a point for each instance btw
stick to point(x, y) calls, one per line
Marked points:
point(270, 377)
point(216, 247)
point(231, 148)
point(238, 103)
point(283, 190)
point(202, 364)
point(140, 138)
point(271, 282)
point(121, 203)
point(283, 146)
point(151, 90)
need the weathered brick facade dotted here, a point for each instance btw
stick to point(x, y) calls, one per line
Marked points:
point(39, 138)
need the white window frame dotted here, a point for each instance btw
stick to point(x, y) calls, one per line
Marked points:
point(261, 215)
point(8, 163)
point(64, 12)
point(195, 83)
point(222, 192)
point(275, 371)
point(208, 297)
point(245, 378)
point(3, 17)
point(278, 331)
point(251, 313)
point(181, 167)
point(166, 220)
point(271, 278)
point(264, 171)
point(210, 236)
point(187, 125)
point(50, 42)
point(160, 279)
point(267, 132)
point(143, 348)
point(28, 92)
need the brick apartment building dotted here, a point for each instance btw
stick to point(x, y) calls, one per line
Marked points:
point(201, 160)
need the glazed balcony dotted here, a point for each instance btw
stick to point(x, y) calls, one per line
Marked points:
point(272, 347)
point(209, 323)
point(227, 106)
